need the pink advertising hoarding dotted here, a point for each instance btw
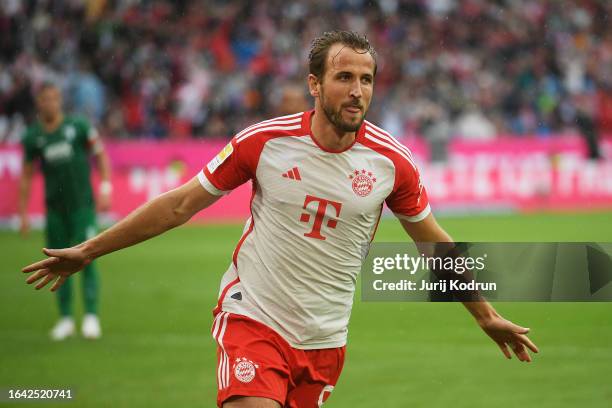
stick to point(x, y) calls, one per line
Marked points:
point(520, 174)
point(514, 174)
point(140, 171)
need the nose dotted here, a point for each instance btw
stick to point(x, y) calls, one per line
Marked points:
point(355, 91)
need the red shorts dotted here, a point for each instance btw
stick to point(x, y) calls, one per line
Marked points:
point(253, 360)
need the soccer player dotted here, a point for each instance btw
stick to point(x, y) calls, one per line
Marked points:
point(63, 144)
point(292, 100)
point(320, 179)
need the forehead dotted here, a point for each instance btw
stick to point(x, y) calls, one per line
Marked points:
point(343, 58)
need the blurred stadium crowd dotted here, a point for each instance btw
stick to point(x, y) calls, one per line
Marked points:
point(180, 69)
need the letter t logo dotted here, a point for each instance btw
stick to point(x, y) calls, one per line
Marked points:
point(320, 216)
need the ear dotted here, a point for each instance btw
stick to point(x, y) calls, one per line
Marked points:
point(313, 85)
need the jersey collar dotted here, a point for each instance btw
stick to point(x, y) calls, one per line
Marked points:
point(306, 128)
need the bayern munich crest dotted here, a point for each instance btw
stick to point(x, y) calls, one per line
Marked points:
point(362, 182)
point(244, 370)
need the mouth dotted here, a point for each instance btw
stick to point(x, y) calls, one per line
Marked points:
point(353, 109)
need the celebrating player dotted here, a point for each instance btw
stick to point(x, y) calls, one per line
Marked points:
point(63, 144)
point(320, 179)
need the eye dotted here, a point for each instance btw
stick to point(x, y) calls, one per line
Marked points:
point(344, 76)
point(366, 80)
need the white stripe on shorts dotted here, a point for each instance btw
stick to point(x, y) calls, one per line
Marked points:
point(223, 369)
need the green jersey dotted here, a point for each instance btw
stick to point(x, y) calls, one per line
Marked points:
point(64, 157)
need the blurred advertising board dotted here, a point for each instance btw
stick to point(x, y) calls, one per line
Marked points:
point(504, 174)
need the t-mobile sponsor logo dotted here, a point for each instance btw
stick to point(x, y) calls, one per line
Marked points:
point(320, 216)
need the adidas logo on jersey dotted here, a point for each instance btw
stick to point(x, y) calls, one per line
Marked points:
point(293, 174)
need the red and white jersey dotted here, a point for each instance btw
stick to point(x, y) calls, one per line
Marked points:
point(313, 212)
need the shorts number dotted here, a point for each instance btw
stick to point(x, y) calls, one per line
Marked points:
point(325, 394)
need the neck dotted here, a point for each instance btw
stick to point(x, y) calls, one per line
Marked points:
point(52, 123)
point(328, 135)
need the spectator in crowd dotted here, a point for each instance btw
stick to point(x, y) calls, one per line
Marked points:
point(161, 68)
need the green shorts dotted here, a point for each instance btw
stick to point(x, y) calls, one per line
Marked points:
point(65, 229)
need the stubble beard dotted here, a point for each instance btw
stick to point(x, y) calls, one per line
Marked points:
point(335, 117)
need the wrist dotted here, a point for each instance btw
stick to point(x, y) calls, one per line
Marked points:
point(484, 320)
point(88, 250)
point(483, 312)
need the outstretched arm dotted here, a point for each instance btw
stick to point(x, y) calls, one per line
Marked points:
point(105, 188)
point(502, 331)
point(165, 212)
point(25, 184)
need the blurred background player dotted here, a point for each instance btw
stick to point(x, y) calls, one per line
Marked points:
point(292, 99)
point(62, 144)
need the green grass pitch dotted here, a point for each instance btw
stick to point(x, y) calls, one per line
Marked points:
point(157, 351)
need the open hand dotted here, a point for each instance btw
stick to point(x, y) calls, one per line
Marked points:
point(60, 264)
point(505, 333)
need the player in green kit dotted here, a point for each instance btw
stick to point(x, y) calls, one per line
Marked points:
point(63, 145)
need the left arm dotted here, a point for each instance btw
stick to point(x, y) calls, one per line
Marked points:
point(106, 188)
point(96, 148)
point(502, 331)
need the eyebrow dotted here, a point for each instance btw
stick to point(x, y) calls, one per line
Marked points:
point(350, 73)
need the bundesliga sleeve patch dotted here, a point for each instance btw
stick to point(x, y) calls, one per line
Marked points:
point(220, 158)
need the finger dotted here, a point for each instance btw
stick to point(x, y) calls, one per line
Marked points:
point(44, 282)
point(504, 348)
point(45, 263)
point(521, 352)
point(58, 283)
point(54, 252)
point(518, 329)
point(527, 341)
point(39, 274)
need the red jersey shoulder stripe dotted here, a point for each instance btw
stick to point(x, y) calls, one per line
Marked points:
point(285, 128)
point(263, 124)
point(282, 120)
point(386, 143)
point(286, 117)
point(386, 135)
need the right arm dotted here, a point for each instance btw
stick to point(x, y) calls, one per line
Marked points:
point(501, 331)
point(159, 215)
point(25, 184)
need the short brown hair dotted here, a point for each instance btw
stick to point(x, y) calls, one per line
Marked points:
point(46, 85)
point(321, 45)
